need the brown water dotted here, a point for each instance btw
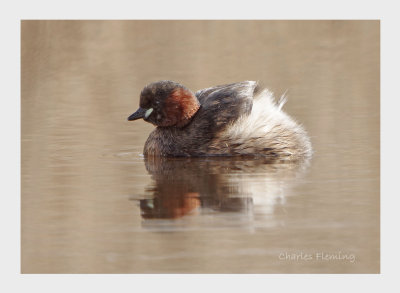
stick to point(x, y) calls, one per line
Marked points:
point(92, 204)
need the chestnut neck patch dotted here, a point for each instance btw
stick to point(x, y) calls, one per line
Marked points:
point(180, 106)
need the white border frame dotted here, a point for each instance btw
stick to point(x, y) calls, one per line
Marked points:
point(387, 12)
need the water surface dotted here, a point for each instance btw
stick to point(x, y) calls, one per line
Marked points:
point(91, 203)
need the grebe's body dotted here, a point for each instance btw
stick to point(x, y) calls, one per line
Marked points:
point(227, 120)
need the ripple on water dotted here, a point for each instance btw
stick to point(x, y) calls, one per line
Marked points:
point(131, 155)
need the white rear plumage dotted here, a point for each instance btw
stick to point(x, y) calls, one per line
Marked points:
point(268, 127)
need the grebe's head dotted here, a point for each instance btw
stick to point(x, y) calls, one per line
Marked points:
point(166, 103)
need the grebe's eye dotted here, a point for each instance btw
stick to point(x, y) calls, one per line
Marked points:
point(148, 112)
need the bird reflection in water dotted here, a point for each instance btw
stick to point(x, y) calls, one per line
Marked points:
point(183, 186)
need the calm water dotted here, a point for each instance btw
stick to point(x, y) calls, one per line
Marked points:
point(91, 203)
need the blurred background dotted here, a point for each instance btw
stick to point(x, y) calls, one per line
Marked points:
point(91, 203)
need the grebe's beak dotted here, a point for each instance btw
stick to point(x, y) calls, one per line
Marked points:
point(137, 115)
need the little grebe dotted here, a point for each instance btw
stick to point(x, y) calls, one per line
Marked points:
point(225, 120)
